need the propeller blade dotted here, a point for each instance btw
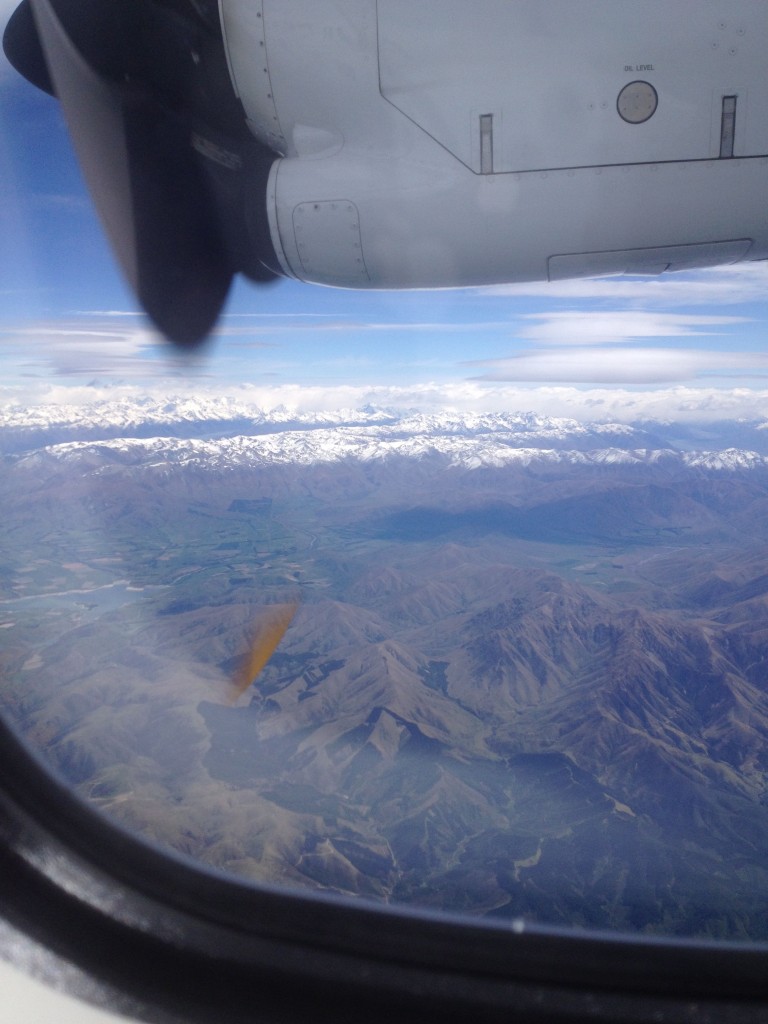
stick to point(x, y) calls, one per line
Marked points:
point(136, 155)
point(22, 47)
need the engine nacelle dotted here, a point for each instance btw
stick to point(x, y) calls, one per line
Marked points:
point(402, 144)
point(445, 144)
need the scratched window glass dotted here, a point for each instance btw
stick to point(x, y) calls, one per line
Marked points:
point(444, 584)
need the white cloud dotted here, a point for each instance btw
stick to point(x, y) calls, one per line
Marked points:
point(596, 404)
point(293, 322)
point(253, 325)
point(622, 366)
point(729, 285)
point(69, 347)
point(600, 327)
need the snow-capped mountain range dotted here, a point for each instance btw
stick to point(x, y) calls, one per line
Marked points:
point(204, 417)
point(225, 434)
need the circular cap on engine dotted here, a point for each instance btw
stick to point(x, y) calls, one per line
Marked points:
point(637, 102)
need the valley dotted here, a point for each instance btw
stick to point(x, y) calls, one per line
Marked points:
point(524, 679)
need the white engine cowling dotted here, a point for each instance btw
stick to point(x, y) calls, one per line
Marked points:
point(443, 144)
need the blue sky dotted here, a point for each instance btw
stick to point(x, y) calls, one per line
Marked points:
point(690, 345)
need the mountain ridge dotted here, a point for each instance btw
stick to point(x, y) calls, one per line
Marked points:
point(523, 678)
point(204, 418)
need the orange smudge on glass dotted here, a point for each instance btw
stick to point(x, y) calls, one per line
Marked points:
point(267, 634)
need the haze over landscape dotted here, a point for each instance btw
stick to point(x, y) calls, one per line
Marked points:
point(526, 676)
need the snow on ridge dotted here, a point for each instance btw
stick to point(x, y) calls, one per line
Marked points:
point(365, 444)
point(729, 459)
point(136, 414)
point(139, 413)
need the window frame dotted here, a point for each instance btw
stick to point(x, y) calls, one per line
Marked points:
point(106, 916)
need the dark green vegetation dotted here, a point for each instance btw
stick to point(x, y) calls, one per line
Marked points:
point(530, 690)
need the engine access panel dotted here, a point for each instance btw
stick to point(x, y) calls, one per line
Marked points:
point(521, 85)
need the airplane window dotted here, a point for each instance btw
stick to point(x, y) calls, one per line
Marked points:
point(446, 602)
